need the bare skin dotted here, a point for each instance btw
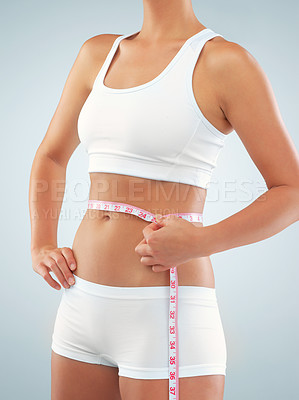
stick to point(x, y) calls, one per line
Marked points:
point(139, 60)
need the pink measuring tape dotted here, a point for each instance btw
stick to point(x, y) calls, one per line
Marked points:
point(173, 358)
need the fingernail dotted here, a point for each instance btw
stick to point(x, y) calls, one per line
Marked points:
point(71, 281)
point(65, 284)
point(73, 266)
point(158, 217)
point(57, 287)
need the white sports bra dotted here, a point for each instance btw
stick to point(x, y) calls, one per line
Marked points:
point(154, 130)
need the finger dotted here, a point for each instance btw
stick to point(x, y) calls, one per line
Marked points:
point(143, 241)
point(144, 250)
point(159, 220)
point(42, 270)
point(61, 263)
point(159, 268)
point(51, 263)
point(69, 256)
point(149, 229)
point(147, 260)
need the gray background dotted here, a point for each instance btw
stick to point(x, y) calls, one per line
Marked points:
point(257, 285)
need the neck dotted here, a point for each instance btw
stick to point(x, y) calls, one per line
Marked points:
point(168, 19)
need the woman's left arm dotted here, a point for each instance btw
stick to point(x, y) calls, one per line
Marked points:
point(248, 102)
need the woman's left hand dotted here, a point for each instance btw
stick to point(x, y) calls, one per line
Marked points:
point(167, 244)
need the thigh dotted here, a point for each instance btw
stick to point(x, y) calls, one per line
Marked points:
point(208, 387)
point(76, 380)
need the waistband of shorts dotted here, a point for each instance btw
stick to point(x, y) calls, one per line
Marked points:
point(141, 292)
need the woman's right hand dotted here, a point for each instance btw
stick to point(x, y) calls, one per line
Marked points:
point(60, 261)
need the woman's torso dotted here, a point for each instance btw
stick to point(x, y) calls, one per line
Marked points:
point(104, 244)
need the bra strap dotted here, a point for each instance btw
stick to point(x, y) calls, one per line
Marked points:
point(197, 46)
point(110, 55)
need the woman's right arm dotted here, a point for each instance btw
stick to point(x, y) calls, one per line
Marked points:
point(48, 173)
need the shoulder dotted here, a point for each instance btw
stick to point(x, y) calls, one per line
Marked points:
point(233, 70)
point(230, 61)
point(91, 56)
point(97, 47)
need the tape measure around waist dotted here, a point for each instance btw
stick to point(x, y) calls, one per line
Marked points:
point(173, 343)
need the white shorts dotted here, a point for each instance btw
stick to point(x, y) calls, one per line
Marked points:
point(127, 328)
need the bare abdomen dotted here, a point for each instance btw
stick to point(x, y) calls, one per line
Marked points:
point(104, 247)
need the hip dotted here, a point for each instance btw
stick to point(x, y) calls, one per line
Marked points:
point(128, 328)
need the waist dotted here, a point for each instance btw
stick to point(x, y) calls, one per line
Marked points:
point(104, 248)
point(139, 212)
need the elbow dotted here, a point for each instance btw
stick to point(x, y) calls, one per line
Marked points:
point(289, 198)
